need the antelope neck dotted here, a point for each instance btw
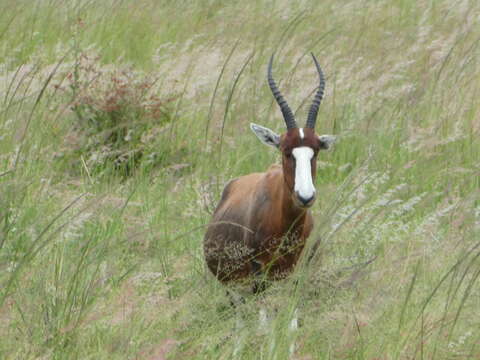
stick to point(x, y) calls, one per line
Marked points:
point(291, 212)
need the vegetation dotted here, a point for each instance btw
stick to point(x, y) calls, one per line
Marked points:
point(120, 123)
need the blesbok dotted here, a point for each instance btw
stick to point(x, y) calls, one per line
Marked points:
point(260, 226)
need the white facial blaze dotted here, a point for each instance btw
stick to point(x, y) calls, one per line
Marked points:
point(303, 172)
point(302, 135)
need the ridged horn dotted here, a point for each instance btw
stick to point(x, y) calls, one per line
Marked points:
point(286, 111)
point(312, 113)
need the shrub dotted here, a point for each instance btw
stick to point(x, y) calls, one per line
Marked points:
point(116, 112)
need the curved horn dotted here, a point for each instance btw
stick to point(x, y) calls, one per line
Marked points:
point(286, 111)
point(312, 113)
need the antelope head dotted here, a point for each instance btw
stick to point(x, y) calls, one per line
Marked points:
point(299, 146)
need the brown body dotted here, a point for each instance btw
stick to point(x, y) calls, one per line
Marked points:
point(263, 220)
point(256, 228)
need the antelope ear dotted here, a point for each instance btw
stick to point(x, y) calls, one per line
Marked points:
point(265, 135)
point(326, 141)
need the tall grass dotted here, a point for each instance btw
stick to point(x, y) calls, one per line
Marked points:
point(96, 262)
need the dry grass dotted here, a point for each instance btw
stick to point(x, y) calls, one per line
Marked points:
point(101, 263)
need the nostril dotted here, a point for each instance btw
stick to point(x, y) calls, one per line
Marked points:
point(305, 200)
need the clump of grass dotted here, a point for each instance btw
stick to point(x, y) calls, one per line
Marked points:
point(117, 115)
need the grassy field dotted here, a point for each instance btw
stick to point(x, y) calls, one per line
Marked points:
point(120, 123)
